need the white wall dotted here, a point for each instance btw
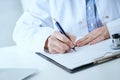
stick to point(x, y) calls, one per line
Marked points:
point(27, 3)
point(10, 11)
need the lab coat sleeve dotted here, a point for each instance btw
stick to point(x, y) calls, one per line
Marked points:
point(34, 27)
point(114, 26)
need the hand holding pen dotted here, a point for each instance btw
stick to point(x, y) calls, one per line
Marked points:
point(64, 33)
point(59, 43)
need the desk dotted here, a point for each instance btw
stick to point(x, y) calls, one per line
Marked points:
point(12, 57)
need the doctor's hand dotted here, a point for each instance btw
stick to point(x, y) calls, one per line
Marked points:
point(58, 43)
point(95, 36)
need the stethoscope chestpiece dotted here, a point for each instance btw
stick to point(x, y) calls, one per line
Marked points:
point(115, 41)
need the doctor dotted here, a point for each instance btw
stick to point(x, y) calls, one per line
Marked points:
point(89, 21)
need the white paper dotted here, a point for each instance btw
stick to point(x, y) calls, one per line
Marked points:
point(83, 55)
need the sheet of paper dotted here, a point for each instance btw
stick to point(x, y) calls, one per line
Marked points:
point(83, 55)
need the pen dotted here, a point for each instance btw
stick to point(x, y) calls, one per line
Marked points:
point(63, 32)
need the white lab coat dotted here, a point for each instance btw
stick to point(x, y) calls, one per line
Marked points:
point(37, 24)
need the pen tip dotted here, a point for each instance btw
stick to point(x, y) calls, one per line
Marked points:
point(74, 49)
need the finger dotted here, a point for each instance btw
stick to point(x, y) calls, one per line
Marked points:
point(95, 33)
point(72, 38)
point(52, 45)
point(90, 37)
point(98, 39)
point(52, 51)
point(82, 39)
point(99, 34)
point(56, 50)
point(79, 42)
point(61, 47)
point(62, 38)
point(84, 42)
point(106, 32)
point(58, 46)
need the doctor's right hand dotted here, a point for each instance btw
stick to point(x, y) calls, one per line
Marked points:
point(59, 43)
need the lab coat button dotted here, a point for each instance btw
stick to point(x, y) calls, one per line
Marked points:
point(106, 17)
point(89, 8)
point(92, 25)
point(40, 25)
point(80, 22)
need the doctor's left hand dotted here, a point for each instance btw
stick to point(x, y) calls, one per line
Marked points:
point(95, 36)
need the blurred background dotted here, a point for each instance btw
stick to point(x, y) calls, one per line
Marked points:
point(10, 11)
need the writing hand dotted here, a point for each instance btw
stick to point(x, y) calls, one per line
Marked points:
point(59, 43)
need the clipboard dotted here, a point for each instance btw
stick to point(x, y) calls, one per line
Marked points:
point(67, 63)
